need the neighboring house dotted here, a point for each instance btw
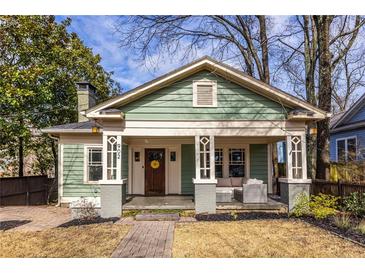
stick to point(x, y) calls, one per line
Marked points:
point(179, 133)
point(347, 142)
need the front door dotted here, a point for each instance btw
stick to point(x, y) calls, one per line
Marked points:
point(154, 171)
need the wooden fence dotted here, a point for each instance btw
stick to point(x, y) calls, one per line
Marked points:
point(339, 188)
point(28, 190)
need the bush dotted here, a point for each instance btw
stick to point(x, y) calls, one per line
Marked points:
point(301, 205)
point(323, 206)
point(342, 220)
point(355, 204)
point(361, 227)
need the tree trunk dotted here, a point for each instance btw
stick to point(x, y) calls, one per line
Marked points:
point(21, 157)
point(324, 96)
point(264, 48)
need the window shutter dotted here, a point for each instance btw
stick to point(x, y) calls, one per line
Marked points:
point(204, 95)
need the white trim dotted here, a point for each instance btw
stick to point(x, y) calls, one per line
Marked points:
point(197, 157)
point(60, 172)
point(204, 181)
point(86, 162)
point(303, 140)
point(289, 166)
point(346, 149)
point(212, 157)
point(196, 83)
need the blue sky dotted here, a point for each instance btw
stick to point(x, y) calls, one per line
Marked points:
point(97, 32)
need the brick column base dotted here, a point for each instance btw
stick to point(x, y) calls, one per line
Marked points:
point(205, 197)
point(111, 198)
point(290, 190)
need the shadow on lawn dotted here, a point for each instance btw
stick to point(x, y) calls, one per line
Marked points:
point(6, 225)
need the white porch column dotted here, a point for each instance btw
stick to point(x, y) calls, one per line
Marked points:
point(296, 181)
point(204, 181)
point(112, 189)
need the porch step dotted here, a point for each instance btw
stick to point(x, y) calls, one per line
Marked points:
point(158, 217)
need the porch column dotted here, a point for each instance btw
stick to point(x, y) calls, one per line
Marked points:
point(204, 181)
point(112, 188)
point(296, 169)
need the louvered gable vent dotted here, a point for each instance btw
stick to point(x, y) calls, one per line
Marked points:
point(204, 95)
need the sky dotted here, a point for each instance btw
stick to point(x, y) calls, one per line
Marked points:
point(97, 32)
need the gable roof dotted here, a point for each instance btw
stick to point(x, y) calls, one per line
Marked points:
point(218, 68)
point(349, 113)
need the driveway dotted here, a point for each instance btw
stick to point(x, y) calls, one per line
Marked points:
point(38, 217)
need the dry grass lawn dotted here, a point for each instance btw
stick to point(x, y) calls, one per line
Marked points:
point(259, 238)
point(98, 240)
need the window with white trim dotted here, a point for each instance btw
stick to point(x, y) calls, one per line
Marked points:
point(204, 93)
point(111, 158)
point(236, 162)
point(94, 164)
point(218, 162)
point(296, 145)
point(346, 149)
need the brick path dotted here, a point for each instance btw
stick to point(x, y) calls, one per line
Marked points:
point(41, 217)
point(150, 239)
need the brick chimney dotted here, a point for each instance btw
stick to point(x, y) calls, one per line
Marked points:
point(86, 98)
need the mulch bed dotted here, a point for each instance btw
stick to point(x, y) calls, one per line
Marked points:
point(6, 225)
point(328, 225)
point(241, 216)
point(97, 220)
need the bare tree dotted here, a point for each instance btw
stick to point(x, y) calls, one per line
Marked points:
point(242, 39)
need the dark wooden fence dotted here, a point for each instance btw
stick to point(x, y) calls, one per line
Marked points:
point(339, 188)
point(28, 190)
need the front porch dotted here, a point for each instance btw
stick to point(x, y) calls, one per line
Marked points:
point(180, 202)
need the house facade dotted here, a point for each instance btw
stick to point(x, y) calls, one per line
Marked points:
point(347, 142)
point(179, 134)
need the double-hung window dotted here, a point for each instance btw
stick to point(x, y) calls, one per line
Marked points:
point(236, 162)
point(94, 165)
point(346, 149)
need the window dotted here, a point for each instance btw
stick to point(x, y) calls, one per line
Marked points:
point(204, 93)
point(172, 156)
point(218, 163)
point(346, 149)
point(94, 164)
point(236, 162)
point(112, 158)
point(137, 157)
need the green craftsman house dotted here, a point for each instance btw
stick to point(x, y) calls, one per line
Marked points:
point(204, 132)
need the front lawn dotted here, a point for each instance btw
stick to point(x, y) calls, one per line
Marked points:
point(259, 238)
point(86, 241)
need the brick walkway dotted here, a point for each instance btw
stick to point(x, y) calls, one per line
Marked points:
point(150, 239)
point(41, 217)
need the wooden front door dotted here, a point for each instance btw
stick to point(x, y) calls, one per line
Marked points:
point(154, 171)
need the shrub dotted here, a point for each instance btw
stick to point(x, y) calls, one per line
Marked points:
point(355, 204)
point(301, 205)
point(361, 227)
point(323, 206)
point(342, 220)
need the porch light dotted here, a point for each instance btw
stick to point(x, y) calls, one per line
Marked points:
point(313, 131)
point(95, 130)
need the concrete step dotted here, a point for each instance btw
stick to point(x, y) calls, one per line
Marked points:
point(158, 217)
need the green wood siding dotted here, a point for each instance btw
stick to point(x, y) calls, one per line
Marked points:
point(176, 102)
point(187, 168)
point(258, 162)
point(73, 173)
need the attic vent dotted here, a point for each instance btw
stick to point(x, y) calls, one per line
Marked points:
point(205, 94)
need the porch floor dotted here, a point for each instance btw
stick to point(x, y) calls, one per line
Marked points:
point(187, 203)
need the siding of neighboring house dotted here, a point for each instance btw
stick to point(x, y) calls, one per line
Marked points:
point(359, 116)
point(73, 173)
point(359, 133)
point(176, 102)
point(258, 162)
point(187, 168)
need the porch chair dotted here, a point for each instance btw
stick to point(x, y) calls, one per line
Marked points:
point(253, 192)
